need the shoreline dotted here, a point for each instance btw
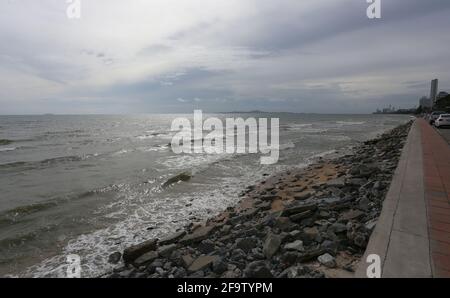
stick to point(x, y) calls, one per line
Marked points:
point(308, 222)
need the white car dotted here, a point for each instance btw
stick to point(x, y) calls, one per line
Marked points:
point(434, 115)
point(443, 120)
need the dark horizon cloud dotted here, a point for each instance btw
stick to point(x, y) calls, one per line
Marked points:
point(320, 56)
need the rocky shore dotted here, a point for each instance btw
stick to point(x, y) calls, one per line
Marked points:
point(312, 222)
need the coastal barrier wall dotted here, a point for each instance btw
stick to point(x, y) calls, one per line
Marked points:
point(400, 238)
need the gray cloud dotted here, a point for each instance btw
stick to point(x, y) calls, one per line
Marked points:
point(171, 56)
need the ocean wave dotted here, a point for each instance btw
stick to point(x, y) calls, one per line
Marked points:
point(296, 126)
point(8, 149)
point(350, 122)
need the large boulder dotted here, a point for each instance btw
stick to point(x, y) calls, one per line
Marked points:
point(198, 235)
point(133, 252)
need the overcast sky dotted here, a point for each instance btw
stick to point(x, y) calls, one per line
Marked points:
point(148, 56)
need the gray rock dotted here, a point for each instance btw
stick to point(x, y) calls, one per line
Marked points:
point(187, 260)
point(311, 233)
point(206, 246)
point(355, 181)
point(115, 257)
point(370, 225)
point(289, 258)
point(172, 238)
point(197, 274)
point(364, 204)
point(225, 229)
point(246, 244)
point(179, 272)
point(283, 223)
point(219, 266)
point(360, 240)
point(330, 246)
point(327, 260)
point(166, 250)
point(257, 269)
point(298, 209)
point(232, 274)
point(377, 185)
point(180, 177)
point(296, 245)
point(269, 198)
point(146, 258)
point(352, 214)
point(338, 182)
point(300, 216)
point(238, 255)
point(133, 252)
point(155, 264)
point(271, 245)
point(202, 263)
point(303, 196)
point(198, 235)
point(337, 228)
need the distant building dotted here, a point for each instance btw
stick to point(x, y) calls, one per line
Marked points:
point(425, 102)
point(433, 91)
point(441, 95)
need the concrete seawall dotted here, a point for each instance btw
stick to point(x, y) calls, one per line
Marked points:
point(406, 238)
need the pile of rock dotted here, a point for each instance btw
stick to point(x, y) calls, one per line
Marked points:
point(299, 224)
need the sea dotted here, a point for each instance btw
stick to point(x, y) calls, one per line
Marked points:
point(92, 185)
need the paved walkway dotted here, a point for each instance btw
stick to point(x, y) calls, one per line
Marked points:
point(412, 236)
point(436, 158)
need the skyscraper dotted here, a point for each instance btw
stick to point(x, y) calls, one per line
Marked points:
point(433, 91)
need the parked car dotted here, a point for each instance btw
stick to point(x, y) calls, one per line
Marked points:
point(434, 115)
point(443, 120)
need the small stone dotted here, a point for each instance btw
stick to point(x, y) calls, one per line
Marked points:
point(337, 228)
point(187, 260)
point(219, 266)
point(197, 274)
point(338, 182)
point(327, 260)
point(246, 244)
point(352, 214)
point(283, 223)
point(360, 240)
point(115, 257)
point(311, 233)
point(329, 245)
point(257, 269)
point(370, 225)
point(364, 204)
point(179, 273)
point(271, 245)
point(303, 196)
point(296, 245)
point(206, 246)
point(202, 263)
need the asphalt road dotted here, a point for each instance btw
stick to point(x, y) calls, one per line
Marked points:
point(445, 132)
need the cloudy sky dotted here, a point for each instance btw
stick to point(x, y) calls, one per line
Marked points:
point(149, 56)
